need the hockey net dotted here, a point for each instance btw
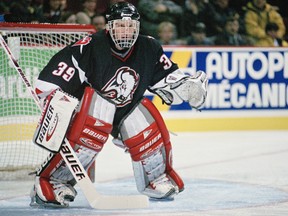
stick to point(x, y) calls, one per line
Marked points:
point(32, 45)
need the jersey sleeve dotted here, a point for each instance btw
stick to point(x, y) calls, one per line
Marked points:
point(66, 69)
point(164, 65)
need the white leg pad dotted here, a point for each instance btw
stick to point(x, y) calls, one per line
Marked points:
point(149, 147)
point(151, 179)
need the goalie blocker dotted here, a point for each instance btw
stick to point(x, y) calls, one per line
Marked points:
point(54, 121)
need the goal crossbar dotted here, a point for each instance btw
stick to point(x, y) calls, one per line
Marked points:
point(46, 28)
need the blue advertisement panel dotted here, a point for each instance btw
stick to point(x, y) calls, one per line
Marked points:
point(239, 78)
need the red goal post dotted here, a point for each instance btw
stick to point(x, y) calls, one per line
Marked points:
point(32, 45)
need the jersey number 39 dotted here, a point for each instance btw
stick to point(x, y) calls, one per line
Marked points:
point(64, 71)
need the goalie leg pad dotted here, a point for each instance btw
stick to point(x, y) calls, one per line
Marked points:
point(93, 122)
point(88, 132)
point(145, 135)
point(167, 144)
point(54, 181)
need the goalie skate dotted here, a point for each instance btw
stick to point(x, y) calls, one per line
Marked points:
point(51, 193)
point(161, 188)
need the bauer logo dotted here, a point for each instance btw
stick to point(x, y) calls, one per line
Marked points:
point(150, 143)
point(95, 135)
point(98, 123)
point(72, 162)
point(46, 123)
point(146, 133)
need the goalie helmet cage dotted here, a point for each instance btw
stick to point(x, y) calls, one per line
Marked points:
point(32, 45)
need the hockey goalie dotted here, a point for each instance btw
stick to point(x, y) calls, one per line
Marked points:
point(94, 88)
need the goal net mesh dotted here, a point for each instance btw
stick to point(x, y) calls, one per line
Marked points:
point(32, 45)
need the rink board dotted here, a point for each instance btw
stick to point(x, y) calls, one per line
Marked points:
point(227, 124)
point(177, 123)
point(240, 79)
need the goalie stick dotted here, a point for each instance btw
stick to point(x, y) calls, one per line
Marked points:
point(95, 199)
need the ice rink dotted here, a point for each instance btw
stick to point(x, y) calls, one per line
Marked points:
point(226, 173)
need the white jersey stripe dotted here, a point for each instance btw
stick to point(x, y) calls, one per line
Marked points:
point(82, 76)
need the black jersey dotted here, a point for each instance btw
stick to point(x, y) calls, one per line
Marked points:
point(122, 79)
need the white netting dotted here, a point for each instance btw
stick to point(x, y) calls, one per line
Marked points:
point(32, 46)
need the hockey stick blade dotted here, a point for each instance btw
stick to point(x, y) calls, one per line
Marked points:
point(95, 199)
point(121, 202)
point(105, 202)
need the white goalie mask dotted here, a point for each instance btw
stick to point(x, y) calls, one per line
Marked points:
point(123, 24)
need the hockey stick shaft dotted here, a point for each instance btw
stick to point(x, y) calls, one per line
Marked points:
point(68, 154)
point(19, 70)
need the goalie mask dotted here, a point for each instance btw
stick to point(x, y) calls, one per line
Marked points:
point(123, 24)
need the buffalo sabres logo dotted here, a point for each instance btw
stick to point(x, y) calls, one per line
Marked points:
point(122, 86)
point(83, 42)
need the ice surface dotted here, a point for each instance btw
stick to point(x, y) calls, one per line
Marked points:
point(225, 173)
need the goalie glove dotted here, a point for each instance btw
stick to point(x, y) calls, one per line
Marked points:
point(178, 87)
